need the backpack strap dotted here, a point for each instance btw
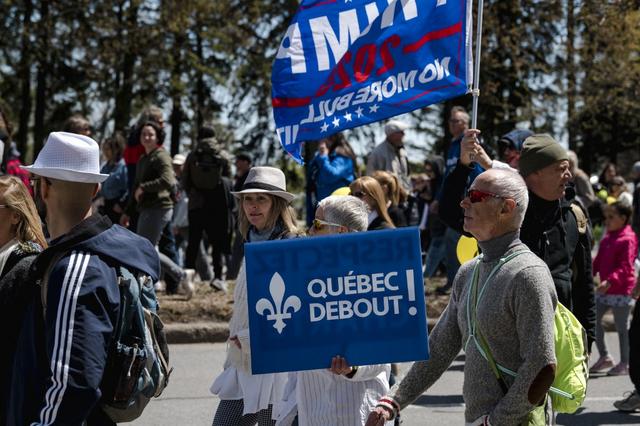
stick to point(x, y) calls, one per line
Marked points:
point(472, 305)
point(581, 218)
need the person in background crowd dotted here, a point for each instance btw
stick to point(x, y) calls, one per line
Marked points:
point(334, 165)
point(78, 124)
point(6, 132)
point(211, 205)
point(458, 123)
point(68, 325)
point(618, 192)
point(115, 189)
point(264, 214)
point(369, 190)
point(417, 200)
point(614, 265)
point(151, 198)
point(635, 222)
point(344, 394)
point(513, 312)
point(243, 165)
point(435, 245)
point(606, 176)
point(554, 228)
point(394, 196)
point(21, 239)
point(631, 402)
point(391, 155)
point(584, 191)
point(134, 149)
point(13, 166)
point(510, 146)
point(180, 224)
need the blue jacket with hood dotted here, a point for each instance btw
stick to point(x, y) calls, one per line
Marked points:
point(66, 333)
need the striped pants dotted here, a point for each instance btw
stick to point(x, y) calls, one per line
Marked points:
point(229, 413)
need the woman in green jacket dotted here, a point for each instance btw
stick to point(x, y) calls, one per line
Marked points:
point(152, 188)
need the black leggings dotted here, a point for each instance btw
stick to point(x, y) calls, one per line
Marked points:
point(229, 413)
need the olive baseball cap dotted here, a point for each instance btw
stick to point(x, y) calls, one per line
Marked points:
point(539, 151)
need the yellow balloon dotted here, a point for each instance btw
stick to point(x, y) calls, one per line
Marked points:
point(342, 191)
point(467, 249)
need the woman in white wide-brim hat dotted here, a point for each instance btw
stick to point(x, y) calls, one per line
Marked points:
point(265, 214)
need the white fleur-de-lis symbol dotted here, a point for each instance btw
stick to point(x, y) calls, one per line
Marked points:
point(277, 310)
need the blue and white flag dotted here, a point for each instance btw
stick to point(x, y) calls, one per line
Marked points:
point(357, 295)
point(346, 63)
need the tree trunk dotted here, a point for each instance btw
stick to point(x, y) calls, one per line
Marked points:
point(124, 93)
point(39, 131)
point(25, 80)
point(200, 86)
point(571, 75)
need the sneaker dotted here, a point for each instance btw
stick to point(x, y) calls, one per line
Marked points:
point(622, 369)
point(186, 284)
point(630, 403)
point(218, 285)
point(602, 364)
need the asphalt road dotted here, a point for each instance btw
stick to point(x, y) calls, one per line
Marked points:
point(187, 400)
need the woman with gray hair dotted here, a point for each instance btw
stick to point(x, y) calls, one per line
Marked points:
point(342, 214)
point(344, 394)
point(501, 308)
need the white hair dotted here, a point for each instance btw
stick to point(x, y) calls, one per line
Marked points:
point(509, 184)
point(347, 211)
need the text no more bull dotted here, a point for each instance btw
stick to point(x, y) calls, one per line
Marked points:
point(375, 285)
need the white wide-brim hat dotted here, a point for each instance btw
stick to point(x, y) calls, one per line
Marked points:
point(266, 180)
point(69, 157)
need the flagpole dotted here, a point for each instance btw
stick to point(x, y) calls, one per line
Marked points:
point(476, 66)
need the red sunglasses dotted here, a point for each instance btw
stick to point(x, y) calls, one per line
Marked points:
point(476, 196)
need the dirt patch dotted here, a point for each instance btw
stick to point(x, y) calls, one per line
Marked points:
point(208, 305)
point(205, 305)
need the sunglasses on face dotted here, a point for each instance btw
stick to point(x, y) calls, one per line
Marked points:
point(477, 196)
point(319, 224)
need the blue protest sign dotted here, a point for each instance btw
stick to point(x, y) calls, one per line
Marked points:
point(358, 295)
point(346, 63)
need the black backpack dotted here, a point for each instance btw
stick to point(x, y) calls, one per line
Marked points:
point(208, 165)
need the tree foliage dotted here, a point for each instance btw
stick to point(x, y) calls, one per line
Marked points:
point(547, 65)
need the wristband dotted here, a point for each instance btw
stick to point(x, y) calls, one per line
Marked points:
point(390, 405)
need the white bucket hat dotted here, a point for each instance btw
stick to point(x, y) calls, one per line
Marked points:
point(69, 157)
point(267, 180)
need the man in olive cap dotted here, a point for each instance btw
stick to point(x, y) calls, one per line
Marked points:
point(555, 227)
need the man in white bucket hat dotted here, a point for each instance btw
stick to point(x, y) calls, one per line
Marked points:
point(67, 328)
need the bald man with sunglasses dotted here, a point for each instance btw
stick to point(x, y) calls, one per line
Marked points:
point(504, 300)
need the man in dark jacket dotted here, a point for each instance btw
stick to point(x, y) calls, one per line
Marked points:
point(210, 204)
point(554, 228)
point(67, 328)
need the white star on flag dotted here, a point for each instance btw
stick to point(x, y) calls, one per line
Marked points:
point(347, 116)
point(336, 122)
point(324, 127)
point(373, 108)
point(359, 112)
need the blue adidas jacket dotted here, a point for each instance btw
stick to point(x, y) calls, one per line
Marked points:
point(62, 350)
